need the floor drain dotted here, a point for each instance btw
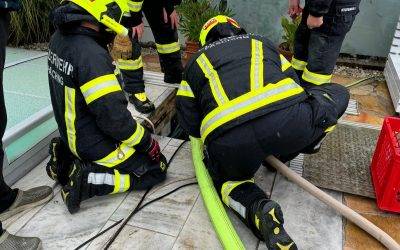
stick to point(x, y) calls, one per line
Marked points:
point(297, 164)
point(352, 108)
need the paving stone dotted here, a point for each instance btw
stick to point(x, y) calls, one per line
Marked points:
point(60, 230)
point(265, 180)
point(361, 204)
point(181, 165)
point(357, 239)
point(311, 223)
point(133, 238)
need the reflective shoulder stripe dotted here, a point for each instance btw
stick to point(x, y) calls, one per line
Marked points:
point(99, 87)
point(285, 64)
point(247, 103)
point(130, 64)
point(168, 48)
point(70, 117)
point(135, 6)
point(117, 156)
point(315, 78)
point(137, 136)
point(185, 90)
point(298, 64)
point(121, 182)
point(213, 78)
point(257, 65)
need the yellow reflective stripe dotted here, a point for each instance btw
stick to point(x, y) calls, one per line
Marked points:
point(168, 48)
point(99, 87)
point(285, 64)
point(298, 64)
point(330, 129)
point(130, 64)
point(315, 78)
point(70, 117)
point(122, 182)
point(228, 186)
point(185, 90)
point(135, 6)
point(212, 76)
point(257, 65)
point(118, 156)
point(247, 103)
point(136, 137)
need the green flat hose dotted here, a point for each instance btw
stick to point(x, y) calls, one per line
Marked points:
point(220, 220)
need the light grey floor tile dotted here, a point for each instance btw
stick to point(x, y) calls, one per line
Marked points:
point(311, 223)
point(198, 232)
point(162, 140)
point(36, 177)
point(133, 238)
point(60, 230)
point(182, 164)
point(166, 216)
point(265, 179)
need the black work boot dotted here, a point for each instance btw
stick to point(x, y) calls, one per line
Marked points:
point(141, 102)
point(269, 220)
point(60, 160)
point(72, 192)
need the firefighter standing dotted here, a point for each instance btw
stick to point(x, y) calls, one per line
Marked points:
point(102, 149)
point(320, 35)
point(243, 99)
point(163, 21)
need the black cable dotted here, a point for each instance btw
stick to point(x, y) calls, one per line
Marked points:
point(137, 208)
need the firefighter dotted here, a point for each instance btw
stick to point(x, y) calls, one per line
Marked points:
point(319, 37)
point(163, 21)
point(102, 149)
point(243, 99)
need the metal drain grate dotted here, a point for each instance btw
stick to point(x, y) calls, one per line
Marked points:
point(352, 108)
point(297, 164)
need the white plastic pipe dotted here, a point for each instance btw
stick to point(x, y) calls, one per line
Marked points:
point(350, 214)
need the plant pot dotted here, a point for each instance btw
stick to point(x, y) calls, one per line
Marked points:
point(191, 47)
point(283, 49)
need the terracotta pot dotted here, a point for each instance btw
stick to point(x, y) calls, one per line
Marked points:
point(191, 47)
point(285, 52)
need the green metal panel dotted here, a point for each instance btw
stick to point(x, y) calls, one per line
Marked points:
point(371, 34)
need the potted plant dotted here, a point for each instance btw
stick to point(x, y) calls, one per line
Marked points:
point(194, 13)
point(286, 48)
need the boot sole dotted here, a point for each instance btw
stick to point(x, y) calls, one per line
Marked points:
point(6, 215)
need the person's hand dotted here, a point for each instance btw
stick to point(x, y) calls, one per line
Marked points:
point(294, 8)
point(138, 30)
point(154, 150)
point(173, 17)
point(314, 22)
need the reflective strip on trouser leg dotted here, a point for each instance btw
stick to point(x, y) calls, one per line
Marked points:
point(119, 155)
point(168, 48)
point(257, 65)
point(130, 64)
point(315, 78)
point(298, 64)
point(226, 189)
point(70, 117)
point(213, 78)
point(122, 182)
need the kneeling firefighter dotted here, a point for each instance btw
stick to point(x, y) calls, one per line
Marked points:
point(102, 149)
point(243, 99)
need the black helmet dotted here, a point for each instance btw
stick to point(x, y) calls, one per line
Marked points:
point(219, 27)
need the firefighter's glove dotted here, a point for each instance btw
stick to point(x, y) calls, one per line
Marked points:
point(154, 150)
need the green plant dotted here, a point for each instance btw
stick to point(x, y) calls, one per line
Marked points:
point(31, 23)
point(289, 30)
point(194, 14)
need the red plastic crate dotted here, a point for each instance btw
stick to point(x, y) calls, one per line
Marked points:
point(385, 166)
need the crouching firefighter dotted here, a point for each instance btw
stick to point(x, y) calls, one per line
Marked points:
point(102, 149)
point(243, 99)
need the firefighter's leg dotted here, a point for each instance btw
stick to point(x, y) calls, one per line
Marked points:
point(131, 70)
point(232, 173)
point(61, 158)
point(324, 47)
point(87, 179)
point(167, 43)
point(302, 37)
